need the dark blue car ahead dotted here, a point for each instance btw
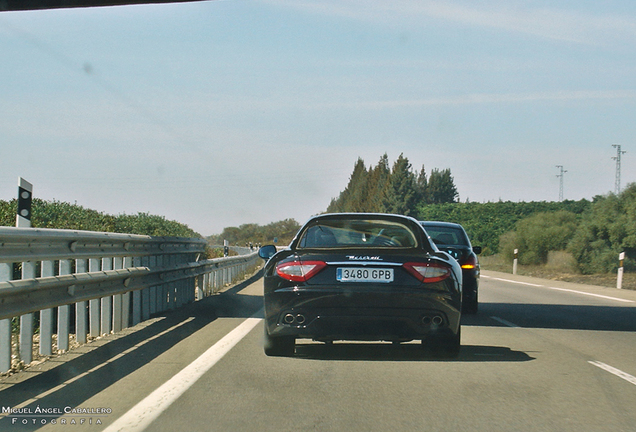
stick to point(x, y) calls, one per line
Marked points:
point(452, 238)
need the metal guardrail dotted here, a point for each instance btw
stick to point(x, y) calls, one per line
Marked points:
point(113, 280)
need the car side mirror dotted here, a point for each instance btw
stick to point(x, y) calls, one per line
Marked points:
point(268, 251)
point(477, 249)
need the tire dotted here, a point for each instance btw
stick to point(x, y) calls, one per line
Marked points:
point(446, 347)
point(281, 346)
point(470, 305)
point(451, 346)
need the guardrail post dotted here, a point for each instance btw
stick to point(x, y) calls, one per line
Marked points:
point(125, 305)
point(46, 316)
point(145, 294)
point(81, 321)
point(6, 270)
point(173, 287)
point(200, 281)
point(136, 298)
point(26, 321)
point(106, 303)
point(152, 293)
point(118, 263)
point(160, 302)
point(63, 314)
point(94, 305)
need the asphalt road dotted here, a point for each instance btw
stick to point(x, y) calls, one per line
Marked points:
point(539, 356)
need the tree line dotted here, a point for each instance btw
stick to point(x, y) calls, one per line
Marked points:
point(283, 231)
point(393, 189)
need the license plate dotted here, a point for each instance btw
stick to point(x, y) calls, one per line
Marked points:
point(364, 274)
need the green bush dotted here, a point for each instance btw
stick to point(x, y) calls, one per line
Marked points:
point(485, 223)
point(608, 229)
point(61, 215)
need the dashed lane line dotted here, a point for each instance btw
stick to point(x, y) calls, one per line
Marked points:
point(619, 373)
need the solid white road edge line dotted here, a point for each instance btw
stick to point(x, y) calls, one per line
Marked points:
point(516, 282)
point(145, 412)
point(562, 289)
point(619, 373)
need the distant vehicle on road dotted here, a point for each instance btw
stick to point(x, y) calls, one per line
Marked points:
point(452, 238)
point(361, 276)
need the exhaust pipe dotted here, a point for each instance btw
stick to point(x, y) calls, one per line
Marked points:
point(289, 319)
point(300, 319)
point(436, 320)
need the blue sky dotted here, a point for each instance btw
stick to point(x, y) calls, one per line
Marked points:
point(220, 113)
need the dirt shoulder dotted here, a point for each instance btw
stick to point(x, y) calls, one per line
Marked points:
point(559, 273)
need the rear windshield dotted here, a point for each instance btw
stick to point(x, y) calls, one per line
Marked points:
point(442, 235)
point(357, 233)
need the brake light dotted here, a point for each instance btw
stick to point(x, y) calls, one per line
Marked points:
point(470, 263)
point(298, 270)
point(428, 272)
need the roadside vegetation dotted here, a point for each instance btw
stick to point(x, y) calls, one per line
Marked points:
point(281, 233)
point(61, 215)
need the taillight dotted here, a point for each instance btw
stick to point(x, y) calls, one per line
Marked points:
point(470, 263)
point(298, 270)
point(428, 272)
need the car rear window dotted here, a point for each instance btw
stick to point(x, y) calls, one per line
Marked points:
point(442, 235)
point(358, 234)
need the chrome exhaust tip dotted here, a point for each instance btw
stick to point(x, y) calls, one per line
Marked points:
point(300, 319)
point(437, 320)
point(289, 319)
point(426, 320)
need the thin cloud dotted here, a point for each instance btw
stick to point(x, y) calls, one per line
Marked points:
point(486, 98)
point(574, 26)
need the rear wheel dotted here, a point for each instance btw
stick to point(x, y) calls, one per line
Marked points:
point(450, 346)
point(447, 347)
point(280, 346)
point(470, 305)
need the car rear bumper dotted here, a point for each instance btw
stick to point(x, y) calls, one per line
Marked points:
point(395, 316)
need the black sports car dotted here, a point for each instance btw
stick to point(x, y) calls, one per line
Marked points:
point(452, 238)
point(361, 276)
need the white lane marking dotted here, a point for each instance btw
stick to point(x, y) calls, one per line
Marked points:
point(619, 373)
point(563, 289)
point(517, 282)
point(149, 409)
point(593, 295)
point(505, 322)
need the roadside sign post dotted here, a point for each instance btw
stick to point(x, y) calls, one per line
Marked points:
point(619, 279)
point(514, 262)
point(23, 220)
point(25, 196)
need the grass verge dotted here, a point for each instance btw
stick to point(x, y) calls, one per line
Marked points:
point(560, 267)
